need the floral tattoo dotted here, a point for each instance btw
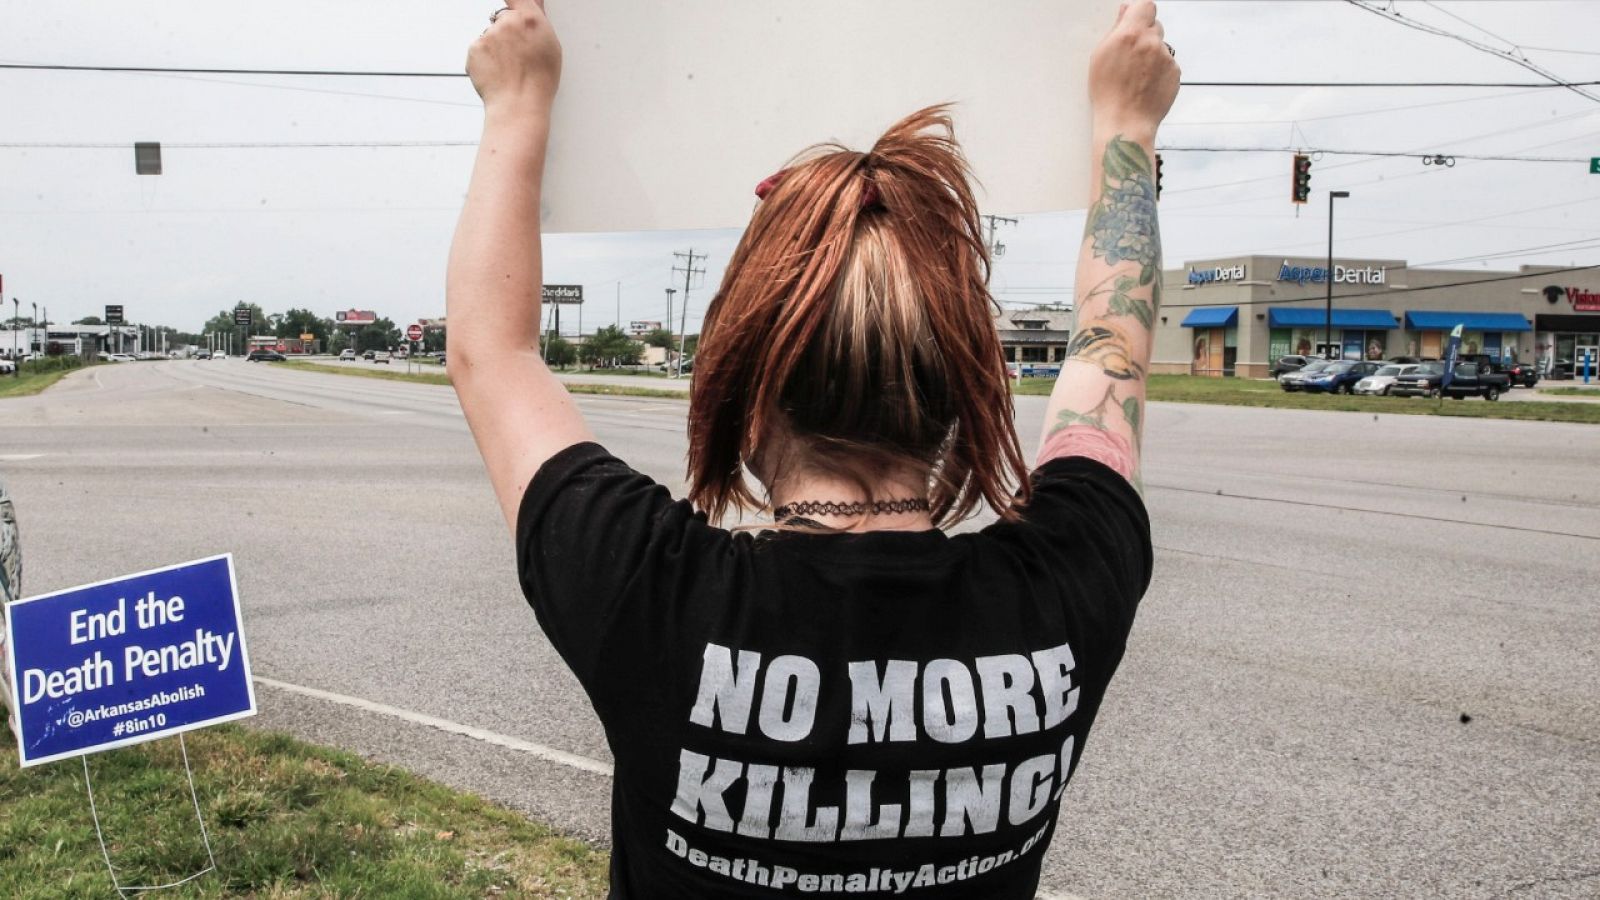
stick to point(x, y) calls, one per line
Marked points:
point(1122, 228)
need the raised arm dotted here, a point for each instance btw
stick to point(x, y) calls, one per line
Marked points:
point(519, 413)
point(1097, 407)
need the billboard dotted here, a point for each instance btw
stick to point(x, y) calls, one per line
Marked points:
point(562, 293)
point(638, 328)
point(779, 77)
point(355, 318)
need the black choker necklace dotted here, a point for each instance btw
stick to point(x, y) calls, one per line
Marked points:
point(854, 508)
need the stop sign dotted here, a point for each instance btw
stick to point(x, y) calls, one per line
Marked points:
point(414, 332)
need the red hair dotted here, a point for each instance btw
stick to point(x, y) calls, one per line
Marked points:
point(853, 333)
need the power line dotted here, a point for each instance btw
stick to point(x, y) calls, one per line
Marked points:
point(1511, 56)
point(1347, 115)
point(237, 145)
point(1338, 152)
point(393, 73)
point(1563, 247)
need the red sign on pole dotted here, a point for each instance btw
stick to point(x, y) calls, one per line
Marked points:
point(414, 332)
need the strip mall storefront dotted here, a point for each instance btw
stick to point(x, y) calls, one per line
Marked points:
point(1238, 316)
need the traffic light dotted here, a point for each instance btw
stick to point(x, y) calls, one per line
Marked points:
point(1158, 176)
point(1302, 178)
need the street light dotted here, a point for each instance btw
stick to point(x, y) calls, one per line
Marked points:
point(33, 329)
point(16, 323)
point(1327, 324)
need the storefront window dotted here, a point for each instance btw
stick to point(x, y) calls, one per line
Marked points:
point(1278, 344)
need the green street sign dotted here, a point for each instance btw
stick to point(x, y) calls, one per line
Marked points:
point(1594, 165)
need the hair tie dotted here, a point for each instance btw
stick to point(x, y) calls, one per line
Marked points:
point(769, 182)
point(869, 196)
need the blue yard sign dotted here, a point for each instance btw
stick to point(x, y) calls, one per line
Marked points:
point(1451, 354)
point(127, 660)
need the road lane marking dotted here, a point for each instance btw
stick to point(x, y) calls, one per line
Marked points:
point(18, 457)
point(548, 754)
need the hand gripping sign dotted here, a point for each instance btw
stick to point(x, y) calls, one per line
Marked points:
point(129, 660)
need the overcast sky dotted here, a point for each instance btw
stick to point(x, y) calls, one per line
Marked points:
point(338, 228)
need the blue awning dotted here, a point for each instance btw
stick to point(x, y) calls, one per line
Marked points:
point(1418, 320)
point(1307, 317)
point(1212, 317)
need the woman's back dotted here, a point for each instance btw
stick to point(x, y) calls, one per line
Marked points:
point(833, 711)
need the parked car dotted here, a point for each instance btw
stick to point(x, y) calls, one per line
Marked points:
point(266, 356)
point(346, 354)
point(1290, 363)
point(1470, 380)
point(119, 357)
point(381, 356)
point(1379, 382)
point(368, 355)
point(1291, 381)
point(202, 354)
point(7, 367)
point(1338, 376)
point(219, 355)
point(1525, 374)
point(441, 357)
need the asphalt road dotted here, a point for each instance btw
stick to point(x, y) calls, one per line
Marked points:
point(1335, 593)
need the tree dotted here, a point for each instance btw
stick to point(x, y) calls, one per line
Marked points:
point(296, 322)
point(222, 322)
point(88, 320)
point(559, 352)
point(611, 347)
point(380, 335)
point(20, 321)
point(662, 338)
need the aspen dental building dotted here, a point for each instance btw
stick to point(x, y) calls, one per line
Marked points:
point(1235, 317)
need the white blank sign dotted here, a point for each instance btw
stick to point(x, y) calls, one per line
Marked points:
point(670, 113)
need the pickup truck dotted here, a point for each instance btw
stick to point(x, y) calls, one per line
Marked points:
point(1471, 380)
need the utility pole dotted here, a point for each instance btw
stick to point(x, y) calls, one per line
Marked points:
point(689, 271)
point(667, 353)
point(619, 306)
point(995, 247)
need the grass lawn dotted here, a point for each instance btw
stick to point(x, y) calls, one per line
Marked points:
point(286, 820)
point(1248, 392)
point(400, 374)
point(1572, 392)
point(30, 383)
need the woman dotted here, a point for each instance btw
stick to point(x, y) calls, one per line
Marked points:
point(852, 702)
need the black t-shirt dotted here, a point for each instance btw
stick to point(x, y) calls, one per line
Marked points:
point(838, 714)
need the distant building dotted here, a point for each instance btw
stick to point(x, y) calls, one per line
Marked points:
point(1034, 335)
point(1237, 316)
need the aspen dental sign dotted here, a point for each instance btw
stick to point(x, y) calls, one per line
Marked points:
point(127, 660)
point(1341, 274)
point(1219, 274)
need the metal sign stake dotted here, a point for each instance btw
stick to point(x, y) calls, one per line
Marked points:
point(123, 890)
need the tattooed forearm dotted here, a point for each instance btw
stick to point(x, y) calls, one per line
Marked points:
point(1099, 412)
point(1123, 224)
